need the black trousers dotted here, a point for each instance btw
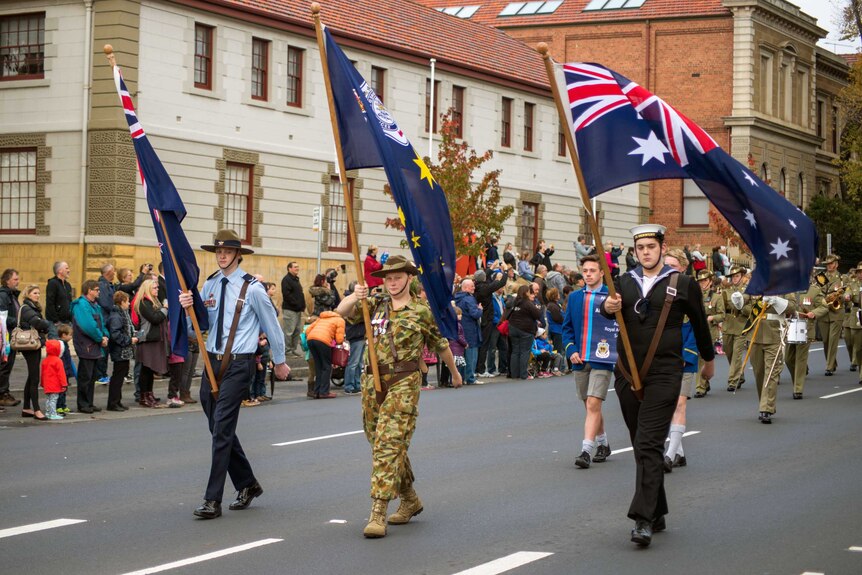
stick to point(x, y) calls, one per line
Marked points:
point(649, 423)
point(115, 386)
point(222, 413)
point(86, 372)
point(321, 353)
point(31, 387)
point(6, 371)
point(482, 360)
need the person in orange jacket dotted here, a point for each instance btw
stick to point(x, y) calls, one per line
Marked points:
point(328, 328)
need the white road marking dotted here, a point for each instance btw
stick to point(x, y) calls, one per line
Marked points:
point(506, 563)
point(855, 549)
point(338, 521)
point(39, 527)
point(624, 449)
point(841, 393)
point(317, 438)
point(813, 573)
point(206, 557)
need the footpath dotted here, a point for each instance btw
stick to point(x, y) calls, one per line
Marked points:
point(284, 391)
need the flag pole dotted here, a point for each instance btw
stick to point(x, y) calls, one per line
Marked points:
point(542, 48)
point(112, 59)
point(348, 201)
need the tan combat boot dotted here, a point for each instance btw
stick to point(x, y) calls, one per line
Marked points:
point(377, 522)
point(409, 507)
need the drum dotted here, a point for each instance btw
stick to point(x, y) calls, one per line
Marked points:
point(797, 331)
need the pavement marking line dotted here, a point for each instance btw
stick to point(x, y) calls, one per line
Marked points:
point(624, 449)
point(855, 549)
point(841, 393)
point(206, 557)
point(38, 527)
point(506, 563)
point(813, 573)
point(317, 438)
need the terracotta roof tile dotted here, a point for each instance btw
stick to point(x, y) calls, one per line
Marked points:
point(413, 28)
point(572, 11)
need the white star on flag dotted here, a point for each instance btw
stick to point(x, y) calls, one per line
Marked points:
point(792, 223)
point(749, 178)
point(750, 217)
point(651, 148)
point(780, 249)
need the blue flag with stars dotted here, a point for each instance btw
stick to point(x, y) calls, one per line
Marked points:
point(165, 206)
point(625, 134)
point(370, 138)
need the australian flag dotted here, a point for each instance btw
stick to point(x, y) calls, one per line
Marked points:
point(370, 138)
point(165, 204)
point(625, 134)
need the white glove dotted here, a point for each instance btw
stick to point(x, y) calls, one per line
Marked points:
point(779, 304)
point(737, 300)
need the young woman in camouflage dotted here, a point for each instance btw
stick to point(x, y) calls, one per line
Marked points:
point(403, 325)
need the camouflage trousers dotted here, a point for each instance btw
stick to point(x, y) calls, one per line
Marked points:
point(389, 428)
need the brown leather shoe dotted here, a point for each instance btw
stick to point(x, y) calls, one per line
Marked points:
point(8, 401)
point(329, 395)
point(186, 397)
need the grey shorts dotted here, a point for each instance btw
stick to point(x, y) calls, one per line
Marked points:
point(689, 381)
point(592, 382)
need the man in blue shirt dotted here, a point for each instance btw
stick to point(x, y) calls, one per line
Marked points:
point(221, 293)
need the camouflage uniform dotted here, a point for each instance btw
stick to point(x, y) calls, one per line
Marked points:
point(735, 342)
point(796, 354)
point(831, 324)
point(389, 426)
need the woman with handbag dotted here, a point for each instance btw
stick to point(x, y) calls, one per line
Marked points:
point(30, 318)
point(329, 327)
point(153, 340)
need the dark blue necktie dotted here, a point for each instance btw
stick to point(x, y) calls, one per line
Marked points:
point(220, 322)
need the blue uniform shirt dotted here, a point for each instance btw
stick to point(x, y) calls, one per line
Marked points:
point(258, 315)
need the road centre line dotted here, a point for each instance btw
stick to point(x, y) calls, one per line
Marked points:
point(206, 557)
point(624, 449)
point(854, 548)
point(39, 527)
point(317, 438)
point(841, 393)
point(506, 563)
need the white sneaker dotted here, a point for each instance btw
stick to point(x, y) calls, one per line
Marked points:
point(175, 402)
point(494, 374)
point(484, 374)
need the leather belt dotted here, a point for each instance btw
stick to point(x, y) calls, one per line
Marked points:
point(233, 356)
point(398, 368)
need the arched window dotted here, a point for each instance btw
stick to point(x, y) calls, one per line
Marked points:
point(782, 182)
point(764, 173)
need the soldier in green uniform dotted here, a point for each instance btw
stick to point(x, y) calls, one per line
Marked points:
point(809, 307)
point(832, 323)
point(736, 314)
point(403, 325)
point(713, 303)
point(852, 328)
point(767, 347)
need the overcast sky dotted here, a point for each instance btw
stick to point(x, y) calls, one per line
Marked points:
point(827, 13)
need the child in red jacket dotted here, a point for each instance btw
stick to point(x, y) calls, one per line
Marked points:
point(53, 377)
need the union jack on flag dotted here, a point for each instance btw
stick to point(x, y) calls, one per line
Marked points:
point(165, 206)
point(624, 134)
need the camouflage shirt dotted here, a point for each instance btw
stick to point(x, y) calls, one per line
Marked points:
point(412, 328)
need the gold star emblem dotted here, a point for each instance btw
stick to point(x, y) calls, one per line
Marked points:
point(401, 216)
point(420, 270)
point(425, 173)
point(415, 239)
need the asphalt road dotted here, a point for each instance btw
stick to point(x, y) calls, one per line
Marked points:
point(495, 472)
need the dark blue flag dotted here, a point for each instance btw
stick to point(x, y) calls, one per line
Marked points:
point(625, 134)
point(165, 204)
point(370, 138)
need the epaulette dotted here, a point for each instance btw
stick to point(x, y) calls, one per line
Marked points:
point(249, 278)
point(213, 275)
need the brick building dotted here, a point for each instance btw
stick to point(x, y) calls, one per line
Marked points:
point(748, 71)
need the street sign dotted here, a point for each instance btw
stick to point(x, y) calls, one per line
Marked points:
point(315, 219)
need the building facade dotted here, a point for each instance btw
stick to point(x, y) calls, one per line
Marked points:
point(232, 98)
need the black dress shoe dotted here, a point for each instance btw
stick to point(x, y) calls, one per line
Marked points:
point(853, 367)
point(678, 461)
point(731, 388)
point(96, 408)
point(642, 533)
point(699, 394)
point(667, 464)
point(658, 524)
point(115, 408)
point(246, 494)
point(209, 510)
point(765, 417)
point(828, 372)
point(86, 410)
point(797, 396)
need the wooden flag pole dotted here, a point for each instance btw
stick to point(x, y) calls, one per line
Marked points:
point(109, 52)
point(348, 201)
point(542, 48)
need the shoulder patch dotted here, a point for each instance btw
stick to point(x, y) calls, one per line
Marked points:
point(249, 278)
point(213, 275)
